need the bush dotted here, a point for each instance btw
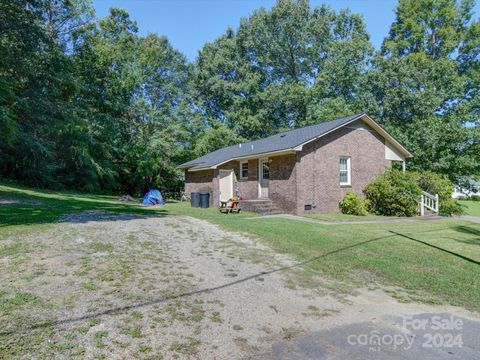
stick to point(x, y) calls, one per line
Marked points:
point(472, 198)
point(434, 183)
point(352, 204)
point(397, 194)
point(394, 193)
point(450, 207)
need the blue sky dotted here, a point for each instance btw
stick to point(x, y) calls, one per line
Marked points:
point(189, 24)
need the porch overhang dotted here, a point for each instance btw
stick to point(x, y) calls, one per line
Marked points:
point(240, 158)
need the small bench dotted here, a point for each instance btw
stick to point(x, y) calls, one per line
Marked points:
point(229, 206)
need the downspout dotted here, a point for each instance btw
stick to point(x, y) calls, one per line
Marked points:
point(314, 177)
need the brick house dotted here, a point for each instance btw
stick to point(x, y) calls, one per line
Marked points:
point(303, 170)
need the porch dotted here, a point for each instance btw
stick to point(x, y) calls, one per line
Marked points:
point(265, 184)
point(247, 179)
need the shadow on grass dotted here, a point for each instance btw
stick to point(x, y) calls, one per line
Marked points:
point(122, 309)
point(43, 208)
point(437, 247)
point(468, 230)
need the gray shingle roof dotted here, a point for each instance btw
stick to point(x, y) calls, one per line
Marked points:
point(282, 141)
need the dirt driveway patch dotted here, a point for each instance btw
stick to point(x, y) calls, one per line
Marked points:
point(99, 285)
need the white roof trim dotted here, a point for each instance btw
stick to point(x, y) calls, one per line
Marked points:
point(386, 135)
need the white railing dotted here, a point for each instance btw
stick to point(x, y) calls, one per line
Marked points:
point(428, 201)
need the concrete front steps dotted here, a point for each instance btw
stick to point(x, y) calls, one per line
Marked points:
point(261, 206)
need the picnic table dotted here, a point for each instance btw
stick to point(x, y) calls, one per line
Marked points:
point(228, 206)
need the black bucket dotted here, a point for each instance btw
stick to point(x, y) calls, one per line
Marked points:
point(204, 200)
point(195, 199)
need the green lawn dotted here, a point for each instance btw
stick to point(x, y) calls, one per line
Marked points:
point(471, 207)
point(338, 216)
point(362, 255)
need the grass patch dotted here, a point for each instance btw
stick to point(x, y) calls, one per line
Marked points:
point(45, 207)
point(8, 304)
point(144, 348)
point(17, 345)
point(83, 330)
point(338, 216)
point(189, 347)
point(136, 332)
point(90, 286)
point(14, 249)
point(471, 207)
point(186, 312)
point(290, 333)
point(99, 335)
point(101, 247)
point(215, 317)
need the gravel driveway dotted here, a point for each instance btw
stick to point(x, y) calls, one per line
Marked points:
point(121, 287)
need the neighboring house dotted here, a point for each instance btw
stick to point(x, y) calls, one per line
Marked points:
point(303, 170)
point(466, 188)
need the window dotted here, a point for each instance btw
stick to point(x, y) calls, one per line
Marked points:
point(345, 178)
point(243, 170)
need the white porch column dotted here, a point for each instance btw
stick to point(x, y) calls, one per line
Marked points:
point(403, 165)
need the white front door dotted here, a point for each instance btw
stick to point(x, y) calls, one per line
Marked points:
point(225, 184)
point(263, 176)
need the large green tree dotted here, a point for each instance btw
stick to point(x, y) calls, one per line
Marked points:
point(37, 90)
point(425, 84)
point(88, 103)
point(137, 91)
point(284, 67)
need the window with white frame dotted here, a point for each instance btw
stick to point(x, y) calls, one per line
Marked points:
point(243, 170)
point(345, 171)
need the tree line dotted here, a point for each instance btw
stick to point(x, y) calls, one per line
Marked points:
point(89, 104)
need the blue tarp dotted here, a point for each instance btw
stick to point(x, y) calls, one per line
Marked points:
point(153, 197)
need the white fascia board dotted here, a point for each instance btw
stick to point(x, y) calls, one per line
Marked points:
point(387, 136)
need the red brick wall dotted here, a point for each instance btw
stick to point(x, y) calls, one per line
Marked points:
point(282, 183)
point(318, 173)
point(200, 181)
point(249, 187)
